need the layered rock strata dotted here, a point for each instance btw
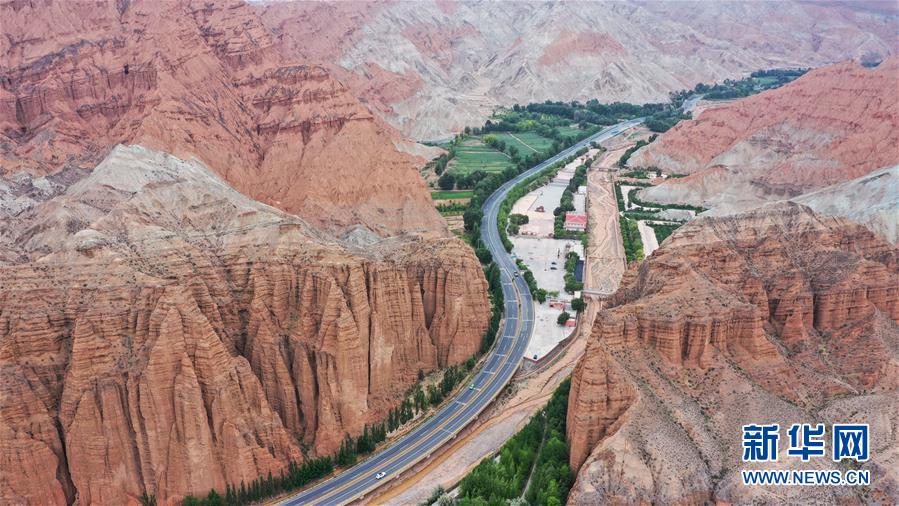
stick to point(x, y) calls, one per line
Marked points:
point(777, 315)
point(182, 336)
point(832, 125)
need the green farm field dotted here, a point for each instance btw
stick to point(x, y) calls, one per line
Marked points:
point(526, 142)
point(451, 195)
point(570, 131)
point(473, 155)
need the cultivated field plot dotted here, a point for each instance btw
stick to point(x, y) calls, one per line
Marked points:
point(525, 142)
point(451, 195)
point(570, 131)
point(473, 155)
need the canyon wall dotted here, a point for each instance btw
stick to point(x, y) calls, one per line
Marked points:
point(187, 336)
point(201, 80)
point(214, 260)
point(431, 68)
point(774, 315)
point(830, 126)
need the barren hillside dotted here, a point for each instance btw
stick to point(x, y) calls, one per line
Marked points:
point(432, 67)
point(776, 315)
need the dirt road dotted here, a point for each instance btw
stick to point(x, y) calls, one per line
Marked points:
point(605, 262)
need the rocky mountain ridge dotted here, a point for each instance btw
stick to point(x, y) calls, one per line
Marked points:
point(431, 68)
point(832, 125)
point(188, 337)
point(773, 315)
point(205, 80)
point(214, 260)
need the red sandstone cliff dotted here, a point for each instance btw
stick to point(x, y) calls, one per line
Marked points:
point(205, 80)
point(832, 125)
point(777, 315)
point(187, 336)
point(162, 329)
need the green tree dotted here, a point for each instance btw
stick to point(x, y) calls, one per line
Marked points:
point(447, 181)
point(578, 304)
point(563, 317)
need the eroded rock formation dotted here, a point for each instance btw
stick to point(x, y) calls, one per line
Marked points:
point(186, 336)
point(213, 259)
point(832, 125)
point(776, 315)
point(206, 80)
point(453, 62)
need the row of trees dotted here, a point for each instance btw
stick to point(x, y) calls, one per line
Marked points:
point(571, 283)
point(297, 476)
point(630, 235)
point(443, 160)
point(632, 196)
point(622, 162)
point(538, 451)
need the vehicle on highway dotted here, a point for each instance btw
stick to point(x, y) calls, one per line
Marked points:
point(471, 387)
point(380, 475)
point(516, 274)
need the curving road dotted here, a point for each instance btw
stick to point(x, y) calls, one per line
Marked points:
point(499, 366)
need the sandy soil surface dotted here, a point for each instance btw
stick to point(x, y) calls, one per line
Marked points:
point(705, 105)
point(604, 266)
point(605, 261)
point(540, 224)
point(538, 253)
point(648, 236)
point(547, 331)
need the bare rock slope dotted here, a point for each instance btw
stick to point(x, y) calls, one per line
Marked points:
point(206, 80)
point(433, 67)
point(213, 259)
point(775, 315)
point(872, 200)
point(832, 125)
point(187, 336)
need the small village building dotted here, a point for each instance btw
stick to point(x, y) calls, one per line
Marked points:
point(575, 222)
point(557, 304)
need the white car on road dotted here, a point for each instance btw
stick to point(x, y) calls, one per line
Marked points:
point(380, 475)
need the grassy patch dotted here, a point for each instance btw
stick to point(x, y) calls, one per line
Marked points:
point(633, 245)
point(473, 155)
point(568, 131)
point(526, 142)
point(451, 195)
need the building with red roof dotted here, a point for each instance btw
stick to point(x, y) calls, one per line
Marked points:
point(575, 221)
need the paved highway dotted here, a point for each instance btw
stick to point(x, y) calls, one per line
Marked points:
point(499, 366)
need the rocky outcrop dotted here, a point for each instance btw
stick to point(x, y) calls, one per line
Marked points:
point(205, 80)
point(465, 58)
point(775, 315)
point(830, 126)
point(872, 200)
point(182, 336)
point(214, 260)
